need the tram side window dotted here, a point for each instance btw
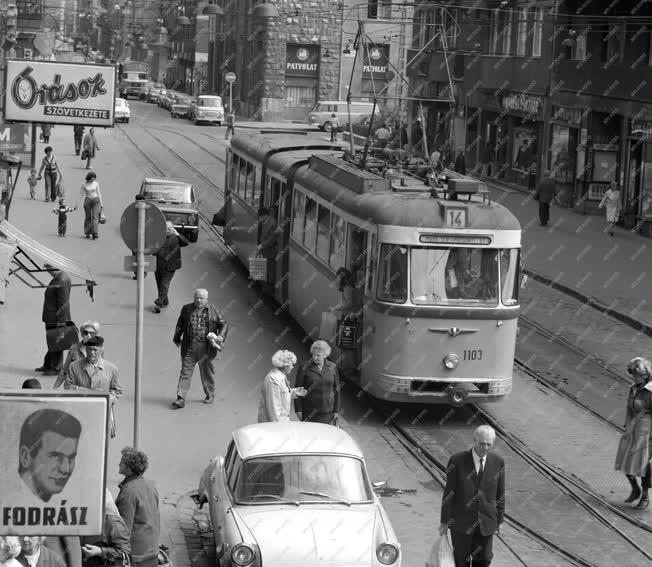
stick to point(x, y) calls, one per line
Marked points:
point(234, 173)
point(242, 181)
point(509, 276)
point(323, 233)
point(392, 278)
point(298, 214)
point(310, 225)
point(252, 190)
point(338, 242)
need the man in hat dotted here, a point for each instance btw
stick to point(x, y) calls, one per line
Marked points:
point(168, 261)
point(56, 312)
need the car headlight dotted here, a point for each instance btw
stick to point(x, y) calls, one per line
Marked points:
point(243, 555)
point(387, 553)
point(451, 361)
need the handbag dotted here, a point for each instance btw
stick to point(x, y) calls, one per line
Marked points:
point(84, 155)
point(102, 219)
point(62, 338)
point(61, 192)
point(441, 554)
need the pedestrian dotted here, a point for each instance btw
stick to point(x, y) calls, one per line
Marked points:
point(138, 505)
point(546, 193)
point(35, 554)
point(335, 127)
point(473, 504)
point(460, 162)
point(90, 147)
point(93, 373)
point(62, 211)
point(91, 196)
point(487, 156)
point(382, 135)
point(46, 130)
point(196, 321)
point(416, 137)
point(9, 551)
point(32, 181)
point(611, 202)
point(52, 174)
point(168, 261)
point(78, 133)
point(268, 247)
point(113, 547)
point(276, 395)
point(56, 313)
point(87, 330)
point(230, 125)
point(321, 379)
point(31, 384)
point(634, 452)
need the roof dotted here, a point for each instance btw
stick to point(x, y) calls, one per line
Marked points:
point(155, 181)
point(292, 438)
point(257, 145)
point(34, 250)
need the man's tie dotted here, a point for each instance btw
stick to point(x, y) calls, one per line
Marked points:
point(480, 470)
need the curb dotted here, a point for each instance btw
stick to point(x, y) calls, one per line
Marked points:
point(279, 127)
point(592, 302)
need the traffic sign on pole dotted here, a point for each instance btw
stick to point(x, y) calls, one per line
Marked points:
point(143, 230)
point(230, 77)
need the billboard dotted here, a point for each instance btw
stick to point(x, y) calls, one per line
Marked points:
point(59, 93)
point(52, 463)
point(17, 139)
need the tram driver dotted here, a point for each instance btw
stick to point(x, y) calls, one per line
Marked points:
point(464, 283)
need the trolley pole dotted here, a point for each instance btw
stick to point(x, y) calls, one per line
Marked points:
point(141, 206)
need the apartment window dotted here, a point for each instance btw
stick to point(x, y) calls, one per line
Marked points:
point(611, 45)
point(379, 9)
point(521, 42)
point(426, 24)
point(501, 32)
point(537, 32)
point(577, 49)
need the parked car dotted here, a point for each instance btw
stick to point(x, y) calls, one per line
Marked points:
point(156, 91)
point(180, 106)
point(276, 500)
point(176, 199)
point(321, 115)
point(122, 112)
point(167, 100)
point(207, 108)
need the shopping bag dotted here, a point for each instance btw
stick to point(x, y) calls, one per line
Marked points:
point(61, 191)
point(441, 554)
point(258, 268)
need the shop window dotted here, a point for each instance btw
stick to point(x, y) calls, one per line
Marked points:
point(300, 97)
point(298, 215)
point(323, 233)
point(338, 242)
point(310, 225)
point(525, 148)
point(562, 152)
point(392, 273)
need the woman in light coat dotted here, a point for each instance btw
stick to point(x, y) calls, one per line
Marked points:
point(633, 456)
point(90, 146)
point(276, 396)
point(611, 203)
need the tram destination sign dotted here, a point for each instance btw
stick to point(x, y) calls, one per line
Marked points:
point(53, 463)
point(59, 93)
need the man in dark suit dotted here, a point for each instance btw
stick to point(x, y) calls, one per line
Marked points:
point(196, 321)
point(56, 312)
point(34, 554)
point(546, 193)
point(473, 505)
point(168, 261)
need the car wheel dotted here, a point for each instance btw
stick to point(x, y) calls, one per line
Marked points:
point(192, 236)
point(326, 127)
point(218, 123)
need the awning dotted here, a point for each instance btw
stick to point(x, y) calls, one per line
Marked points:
point(31, 257)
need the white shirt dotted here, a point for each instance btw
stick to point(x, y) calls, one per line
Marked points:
point(477, 460)
point(33, 559)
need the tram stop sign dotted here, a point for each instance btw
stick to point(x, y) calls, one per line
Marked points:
point(230, 77)
point(155, 228)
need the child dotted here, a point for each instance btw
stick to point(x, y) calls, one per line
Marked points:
point(63, 211)
point(32, 180)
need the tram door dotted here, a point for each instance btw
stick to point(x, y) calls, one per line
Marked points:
point(275, 199)
point(356, 263)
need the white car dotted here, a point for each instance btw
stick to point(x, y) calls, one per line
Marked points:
point(296, 495)
point(122, 111)
point(207, 108)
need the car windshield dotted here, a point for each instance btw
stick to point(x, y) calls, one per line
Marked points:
point(304, 479)
point(120, 102)
point(175, 193)
point(210, 102)
point(182, 100)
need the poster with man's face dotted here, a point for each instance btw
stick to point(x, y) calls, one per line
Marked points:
point(52, 463)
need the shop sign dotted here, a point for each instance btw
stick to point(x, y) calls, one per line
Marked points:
point(375, 62)
point(302, 60)
point(641, 127)
point(520, 102)
point(53, 463)
point(567, 114)
point(59, 93)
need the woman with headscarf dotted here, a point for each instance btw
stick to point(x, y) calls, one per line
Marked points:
point(77, 351)
point(90, 146)
point(276, 395)
point(633, 456)
point(111, 548)
point(321, 379)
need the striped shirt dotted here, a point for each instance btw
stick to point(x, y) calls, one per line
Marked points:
point(199, 324)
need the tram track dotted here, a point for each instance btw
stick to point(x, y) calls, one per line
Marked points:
point(434, 466)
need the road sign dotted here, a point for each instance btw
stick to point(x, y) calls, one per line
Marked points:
point(230, 77)
point(154, 228)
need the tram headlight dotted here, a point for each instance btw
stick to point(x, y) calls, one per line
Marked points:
point(451, 361)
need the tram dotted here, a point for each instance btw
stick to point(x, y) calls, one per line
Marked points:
point(437, 271)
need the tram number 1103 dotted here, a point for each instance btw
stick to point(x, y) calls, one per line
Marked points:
point(473, 354)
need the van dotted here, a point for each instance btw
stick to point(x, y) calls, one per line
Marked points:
point(320, 116)
point(207, 108)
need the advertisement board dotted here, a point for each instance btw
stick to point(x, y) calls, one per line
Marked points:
point(17, 139)
point(375, 62)
point(302, 60)
point(59, 93)
point(52, 463)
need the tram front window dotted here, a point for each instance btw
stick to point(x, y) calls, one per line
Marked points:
point(454, 276)
point(392, 273)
